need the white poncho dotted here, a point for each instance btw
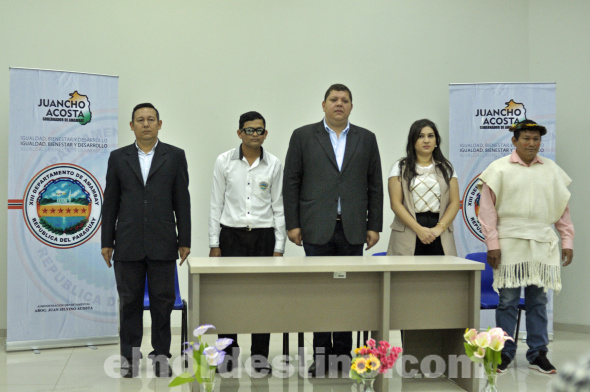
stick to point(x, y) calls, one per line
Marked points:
point(529, 200)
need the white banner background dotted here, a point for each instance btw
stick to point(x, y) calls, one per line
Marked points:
point(62, 125)
point(479, 117)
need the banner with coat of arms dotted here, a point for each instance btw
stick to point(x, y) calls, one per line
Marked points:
point(479, 118)
point(63, 126)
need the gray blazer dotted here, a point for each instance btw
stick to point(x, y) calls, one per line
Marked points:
point(312, 184)
point(151, 220)
point(403, 239)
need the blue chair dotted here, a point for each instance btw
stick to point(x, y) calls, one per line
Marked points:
point(489, 298)
point(179, 304)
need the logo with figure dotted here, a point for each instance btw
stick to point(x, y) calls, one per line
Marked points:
point(503, 118)
point(470, 208)
point(74, 109)
point(62, 205)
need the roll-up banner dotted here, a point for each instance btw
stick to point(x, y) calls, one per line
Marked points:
point(479, 118)
point(62, 126)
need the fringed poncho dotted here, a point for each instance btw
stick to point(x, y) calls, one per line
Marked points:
point(529, 200)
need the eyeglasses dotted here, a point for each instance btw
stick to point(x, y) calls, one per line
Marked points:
point(251, 131)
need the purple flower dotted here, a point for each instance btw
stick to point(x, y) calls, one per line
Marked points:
point(222, 343)
point(202, 329)
point(213, 356)
point(190, 347)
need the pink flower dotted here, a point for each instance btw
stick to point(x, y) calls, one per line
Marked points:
point(371, 343)
point(480, 353)
point(482, 340)
point(470, 335)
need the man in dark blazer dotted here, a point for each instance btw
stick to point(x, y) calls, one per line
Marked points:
point(146, 226)
point(333, 197)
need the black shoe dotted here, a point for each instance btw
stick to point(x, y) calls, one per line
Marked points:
point(315, 371)
point(162, 368)
point(506, 361)
point(262, 366)
point(542, 364)
point(129, 369)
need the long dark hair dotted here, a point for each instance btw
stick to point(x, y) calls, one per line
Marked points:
point(407, 165)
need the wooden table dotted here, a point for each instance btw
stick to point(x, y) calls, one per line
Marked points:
point(432, 298)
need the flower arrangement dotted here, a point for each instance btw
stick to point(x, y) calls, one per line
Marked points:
point(486, 348)
point(372, 360)
point(205, 359)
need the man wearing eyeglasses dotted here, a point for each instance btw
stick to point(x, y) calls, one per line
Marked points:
point(246, 214)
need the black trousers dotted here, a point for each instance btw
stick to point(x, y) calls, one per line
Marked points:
point(235, 243)
point(333, 343)
point(428, 219)
point(130, 277)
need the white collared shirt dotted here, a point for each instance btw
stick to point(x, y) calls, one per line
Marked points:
point(247, 196)
point(145, 160)
point(339, 146)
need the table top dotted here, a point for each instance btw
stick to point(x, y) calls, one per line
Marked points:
point(303, 264)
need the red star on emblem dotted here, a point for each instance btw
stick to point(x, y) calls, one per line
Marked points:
point(45, 210)
point(61, 210)
point(53, 210)
point(83, 209)
point(68, 210)
point(75, 210)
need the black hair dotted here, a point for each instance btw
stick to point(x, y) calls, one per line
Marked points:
point(338, 87)
point(407, 165)
point(251, 116)
point(144, 105)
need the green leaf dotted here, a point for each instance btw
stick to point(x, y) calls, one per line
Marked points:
point(498, 357)
point(182, 378)
point(355, 376)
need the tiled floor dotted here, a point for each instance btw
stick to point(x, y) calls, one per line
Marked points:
point(82, 369)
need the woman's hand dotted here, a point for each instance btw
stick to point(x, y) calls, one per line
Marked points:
point(425, 235)
point(437, 230)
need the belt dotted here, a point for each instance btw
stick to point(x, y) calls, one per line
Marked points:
point(244, 228)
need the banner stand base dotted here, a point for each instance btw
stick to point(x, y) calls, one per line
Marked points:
point(61, 343)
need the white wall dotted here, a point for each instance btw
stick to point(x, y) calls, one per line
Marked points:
point(203, 63)
point(559, 52)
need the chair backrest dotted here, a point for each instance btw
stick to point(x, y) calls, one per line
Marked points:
point(177, 301)
point(489, 298)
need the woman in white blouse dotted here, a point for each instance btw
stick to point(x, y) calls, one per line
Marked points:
point(424, 195)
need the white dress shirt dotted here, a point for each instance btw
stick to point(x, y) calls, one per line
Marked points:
point(145, 160)
point(247, 196)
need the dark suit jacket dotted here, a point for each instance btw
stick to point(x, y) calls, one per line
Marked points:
point(151, 220)
point(312, 184)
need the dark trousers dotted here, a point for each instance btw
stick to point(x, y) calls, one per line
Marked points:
point(333, 343)
point(235, 243)
point(428, 219)
point(130, 277)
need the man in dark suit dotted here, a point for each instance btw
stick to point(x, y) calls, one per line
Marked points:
point(146, 225)
point(333, 196)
